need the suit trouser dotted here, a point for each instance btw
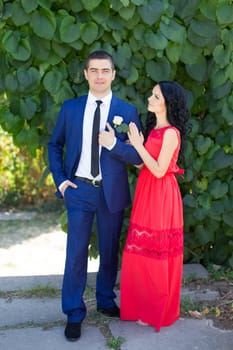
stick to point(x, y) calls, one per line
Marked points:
point(82, 204)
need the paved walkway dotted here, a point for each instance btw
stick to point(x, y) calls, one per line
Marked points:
point(38, 324)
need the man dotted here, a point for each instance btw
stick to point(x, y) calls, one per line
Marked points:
point(103, 191)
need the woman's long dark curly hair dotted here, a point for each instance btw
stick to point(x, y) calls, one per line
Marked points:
point(177, 112)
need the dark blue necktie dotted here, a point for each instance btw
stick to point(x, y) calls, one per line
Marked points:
point(95, 141)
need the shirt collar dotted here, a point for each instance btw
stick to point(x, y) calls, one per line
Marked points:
point(106, 99)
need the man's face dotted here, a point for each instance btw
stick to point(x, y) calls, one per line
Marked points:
point(99, 75)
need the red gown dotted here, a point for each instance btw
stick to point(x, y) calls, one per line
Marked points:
point(152, 261)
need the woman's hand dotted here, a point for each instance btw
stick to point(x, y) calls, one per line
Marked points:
point(136, 138)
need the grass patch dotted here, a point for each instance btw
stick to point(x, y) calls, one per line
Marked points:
point(39, 291)
point(219, 273)
point(115, 343)
point(187, 304)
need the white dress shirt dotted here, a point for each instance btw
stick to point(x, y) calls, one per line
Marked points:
point(84, 167)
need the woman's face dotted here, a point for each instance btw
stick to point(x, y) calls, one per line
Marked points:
point(156, 102)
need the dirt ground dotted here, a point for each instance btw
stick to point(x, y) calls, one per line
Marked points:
point(27, 244)
point(219, 310)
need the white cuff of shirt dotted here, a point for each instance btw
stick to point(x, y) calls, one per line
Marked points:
point(111, 147)
point(61, 185)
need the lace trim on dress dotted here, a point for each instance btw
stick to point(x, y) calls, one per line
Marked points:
point(160, 244)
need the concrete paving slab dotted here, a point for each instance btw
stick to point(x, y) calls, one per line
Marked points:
point(184, 334)
point(14, 283)
point(11, 283)
point(37, 310)
point(51, 339)
point(200, 295)
point(195, 271)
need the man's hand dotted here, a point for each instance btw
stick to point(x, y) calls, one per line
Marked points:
point(67, 184)
point(106, 138)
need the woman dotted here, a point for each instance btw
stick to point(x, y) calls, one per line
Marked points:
point(151, 274)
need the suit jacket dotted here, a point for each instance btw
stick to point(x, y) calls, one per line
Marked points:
point(64, 150)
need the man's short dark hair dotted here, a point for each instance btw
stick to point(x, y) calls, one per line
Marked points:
point(99, 55)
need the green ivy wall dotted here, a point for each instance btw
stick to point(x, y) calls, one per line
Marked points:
point(43, 44)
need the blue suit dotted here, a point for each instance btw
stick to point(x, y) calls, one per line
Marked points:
point(85, 202)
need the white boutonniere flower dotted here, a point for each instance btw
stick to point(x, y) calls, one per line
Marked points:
point(118, 125)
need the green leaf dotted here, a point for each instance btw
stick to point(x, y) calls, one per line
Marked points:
point(117, 36)
point(229, 71)
point(17, 13)
point(218, 189)
point(29, 6)
point(208, 9)
point(60, 49)
point(90, 5)
point(222, 55)
point(28, 79)
point(227, 38)
point(190, 201)
point(204, 236)
point(43, 23)
point(173, 52)
point(65, 92)
point(27, 107)
point(16, 45)
point(173, 31)
point(222, 160)
point(204, 200)
point(186, 9)
point(158, 70)
point(75, 6)
point(125, 2)
point(138, 2)
point(69, 30)
point(198, 71)
point(197, 164)
point(151, 11)
point(122, 55)
point(204, 28)
point(127, 12)
point(191, 54)
point(40, 48)
point(227, 115)
point(156, 41)
point(219, 78)
point(139, 31)
point(11, 82)
point(197, 40)
point(222, 91)
point(188, 176)
point(133, 77)
point(217, 208)
point(89, 32)
point(29, 138)
point(64, 221)
point(200, 214)
point(224, 14)
point(228, 218)
point(10, 122)
point(202, 184)
point(52, 81)
point(203, 144)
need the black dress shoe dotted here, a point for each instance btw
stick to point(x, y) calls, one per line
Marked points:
point(73, 331)
point(110, 312)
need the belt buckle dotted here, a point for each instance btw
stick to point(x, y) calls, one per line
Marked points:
point(94, 183)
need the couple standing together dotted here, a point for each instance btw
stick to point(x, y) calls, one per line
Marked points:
point(152, 259)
